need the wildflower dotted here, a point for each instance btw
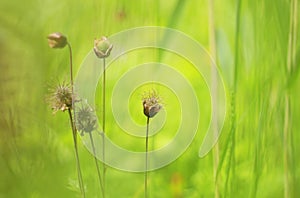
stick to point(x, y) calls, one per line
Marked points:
point(151, 103)
point(57, 40)
point(102, 47)
point(86, 120)
point(60, 97)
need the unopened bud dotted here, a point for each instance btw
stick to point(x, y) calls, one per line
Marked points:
point(57, 40)
point(102, 47)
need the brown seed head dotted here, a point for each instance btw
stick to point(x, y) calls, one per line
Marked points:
point(151, 103)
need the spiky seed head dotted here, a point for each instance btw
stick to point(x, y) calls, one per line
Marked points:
point(60, 97)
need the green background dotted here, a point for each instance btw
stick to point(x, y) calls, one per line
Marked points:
point(254, 42)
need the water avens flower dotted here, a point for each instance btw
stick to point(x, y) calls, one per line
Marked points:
point(151, 103)
point(86, 120)
point(102, 47)
point(60, 97)
point(57, 40)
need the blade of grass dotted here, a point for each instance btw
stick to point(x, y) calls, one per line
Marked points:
point(233, 102)
point(212, 43)
point(291, 59)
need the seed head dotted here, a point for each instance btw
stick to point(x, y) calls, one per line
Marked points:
point(60, 97)
point(102, 47)
point(151, 103)
point(86, 119)
point(57, 40)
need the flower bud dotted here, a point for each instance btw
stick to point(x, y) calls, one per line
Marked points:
point(102, 47)
point(57, 40)
point(151, 104)
point(151, 110)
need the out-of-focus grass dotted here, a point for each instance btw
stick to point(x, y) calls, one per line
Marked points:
point(36, 155)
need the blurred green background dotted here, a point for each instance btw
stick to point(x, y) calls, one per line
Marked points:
point(257, 51)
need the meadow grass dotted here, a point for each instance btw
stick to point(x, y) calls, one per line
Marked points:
point(258, 145)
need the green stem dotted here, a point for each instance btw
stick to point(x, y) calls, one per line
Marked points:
point(71, 65)
point(97, 166)
point(146, 159)
point(81, 185)
point(103, 124)
point(74, 133)
point(72, 82)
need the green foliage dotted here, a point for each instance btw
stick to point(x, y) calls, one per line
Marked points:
point(36, 148)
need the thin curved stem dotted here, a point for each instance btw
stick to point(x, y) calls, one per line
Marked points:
point(71, 64)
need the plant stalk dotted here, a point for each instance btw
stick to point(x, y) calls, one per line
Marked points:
point(146, 159)
point(97, 166)
point(74, 133)
point(103, 123)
